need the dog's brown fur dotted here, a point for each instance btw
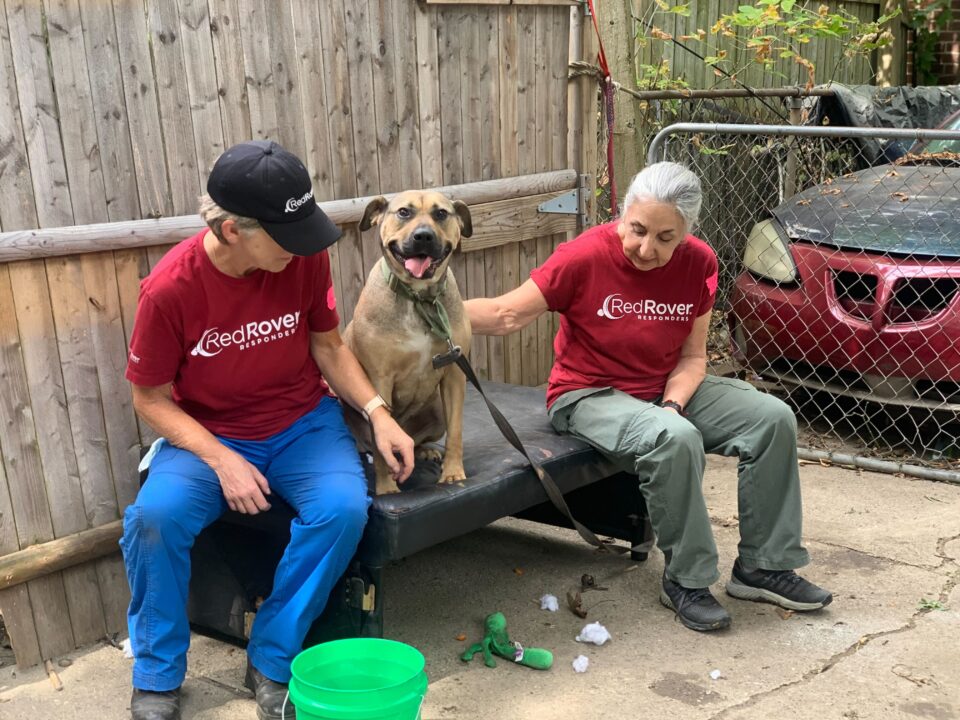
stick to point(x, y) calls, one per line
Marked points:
point(393, 343)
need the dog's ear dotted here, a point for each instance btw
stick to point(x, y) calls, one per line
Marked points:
point(373, 212)
point(463, 212)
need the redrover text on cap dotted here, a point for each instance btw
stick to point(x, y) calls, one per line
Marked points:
point(293, 204)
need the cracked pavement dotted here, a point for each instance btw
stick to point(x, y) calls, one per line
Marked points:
point(888, 547)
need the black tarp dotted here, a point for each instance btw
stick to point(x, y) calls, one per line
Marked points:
point(889, 107)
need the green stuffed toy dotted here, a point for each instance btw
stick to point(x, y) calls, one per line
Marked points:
point(496, 641)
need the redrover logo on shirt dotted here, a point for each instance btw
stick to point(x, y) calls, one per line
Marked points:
point(213, 342)
point(614, 307)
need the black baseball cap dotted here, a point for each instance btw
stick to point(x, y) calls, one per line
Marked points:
point(259, 179)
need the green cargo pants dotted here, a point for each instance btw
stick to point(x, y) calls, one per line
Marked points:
point(666, 451)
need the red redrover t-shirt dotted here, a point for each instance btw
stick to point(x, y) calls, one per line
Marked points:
point(622, 327)
point(237, 350)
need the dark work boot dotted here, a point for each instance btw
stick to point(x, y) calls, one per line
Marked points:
point(148, 705)
point(270, 696)
point(695, 607)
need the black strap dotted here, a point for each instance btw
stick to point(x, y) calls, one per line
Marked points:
point(549, 486)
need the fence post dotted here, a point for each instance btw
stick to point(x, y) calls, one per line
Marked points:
point(795, 105)
point(575, 110)
point(619, 34)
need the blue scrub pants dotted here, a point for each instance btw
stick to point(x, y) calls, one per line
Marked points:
point(315, 467)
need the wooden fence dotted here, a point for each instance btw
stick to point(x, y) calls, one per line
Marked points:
point(114, 111)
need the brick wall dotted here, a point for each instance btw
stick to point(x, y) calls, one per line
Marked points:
point(948, 49)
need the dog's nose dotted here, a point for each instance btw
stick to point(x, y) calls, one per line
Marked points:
point(424, 235)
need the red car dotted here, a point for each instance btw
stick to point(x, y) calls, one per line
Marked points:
point(853, 288)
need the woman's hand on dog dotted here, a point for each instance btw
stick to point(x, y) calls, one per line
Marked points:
point(244, 487)
point(394, 444)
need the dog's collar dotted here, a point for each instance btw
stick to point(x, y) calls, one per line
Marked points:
point(427, 304)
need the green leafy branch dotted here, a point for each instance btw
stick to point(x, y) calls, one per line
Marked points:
point(770, 31)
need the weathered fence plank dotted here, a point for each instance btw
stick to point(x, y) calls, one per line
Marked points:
point(202, 86)
point(100, 237)
point(428, 90)
point(25, 479)
point(315, 117)
point(526, 142)
point(17, 209)
point(231, 76)
point(166, 48)
point(488, 59)
point(509, 165)
point(110, 112)
point(143, 109)
point(472, 148)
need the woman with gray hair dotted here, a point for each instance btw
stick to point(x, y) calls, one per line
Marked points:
point(629, 377)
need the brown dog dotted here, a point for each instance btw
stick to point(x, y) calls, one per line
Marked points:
point(419, 230)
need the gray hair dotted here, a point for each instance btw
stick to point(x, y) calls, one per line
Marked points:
point(215, 216)
point(669, 183)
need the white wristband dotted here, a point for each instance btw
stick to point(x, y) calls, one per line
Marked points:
point(376, 402)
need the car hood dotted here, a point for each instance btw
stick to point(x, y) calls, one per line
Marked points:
point(905, 210)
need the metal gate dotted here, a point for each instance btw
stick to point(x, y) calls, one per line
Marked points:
point(840, 281)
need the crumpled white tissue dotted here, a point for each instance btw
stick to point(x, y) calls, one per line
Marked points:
point(715, 674)
point(549, 602)
point(580, 663)
point(127, 650)
point(593, 633)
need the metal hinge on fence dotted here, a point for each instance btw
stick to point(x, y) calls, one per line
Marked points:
point(570, 203)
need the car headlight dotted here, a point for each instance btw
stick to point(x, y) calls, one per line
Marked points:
point(767, 253)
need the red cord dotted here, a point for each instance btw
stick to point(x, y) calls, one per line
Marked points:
point(602, 56)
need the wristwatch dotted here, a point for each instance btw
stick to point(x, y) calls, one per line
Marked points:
point(376, 402)
point(672, 404)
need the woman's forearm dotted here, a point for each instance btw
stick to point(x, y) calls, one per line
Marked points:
point(507, 313)
point(343, 372)
point(487, 317)
point(169, 421)
point(685, 379)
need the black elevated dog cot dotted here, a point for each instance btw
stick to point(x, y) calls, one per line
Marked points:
point(234, 559)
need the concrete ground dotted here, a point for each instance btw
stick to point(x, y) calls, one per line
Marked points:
point(888, 647)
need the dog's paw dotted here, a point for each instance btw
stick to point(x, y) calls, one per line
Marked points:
point(452, 474)
point(424, 452)
point(386, 486)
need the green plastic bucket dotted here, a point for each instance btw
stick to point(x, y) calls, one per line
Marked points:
point(358, 679)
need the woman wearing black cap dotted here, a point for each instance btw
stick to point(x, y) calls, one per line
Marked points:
point(234, 350)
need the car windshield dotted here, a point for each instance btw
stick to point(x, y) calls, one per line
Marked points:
point(937, 151)
point(951, 146)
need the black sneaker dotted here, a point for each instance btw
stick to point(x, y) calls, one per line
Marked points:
point(270, 695)
point(780, 587)
point(696, 607)
point(149, 705)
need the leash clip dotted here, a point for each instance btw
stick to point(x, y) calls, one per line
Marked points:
point(449, 357)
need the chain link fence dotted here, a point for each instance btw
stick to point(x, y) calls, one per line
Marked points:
point(839, 282)
point(660, 110)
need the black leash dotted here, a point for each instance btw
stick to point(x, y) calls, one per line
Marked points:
point(549, 486)
point(433, 313)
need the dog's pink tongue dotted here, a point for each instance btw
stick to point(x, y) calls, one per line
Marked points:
point(417, 266)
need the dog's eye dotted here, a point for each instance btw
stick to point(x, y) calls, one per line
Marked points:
point(440, 214)
point(403, 213)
